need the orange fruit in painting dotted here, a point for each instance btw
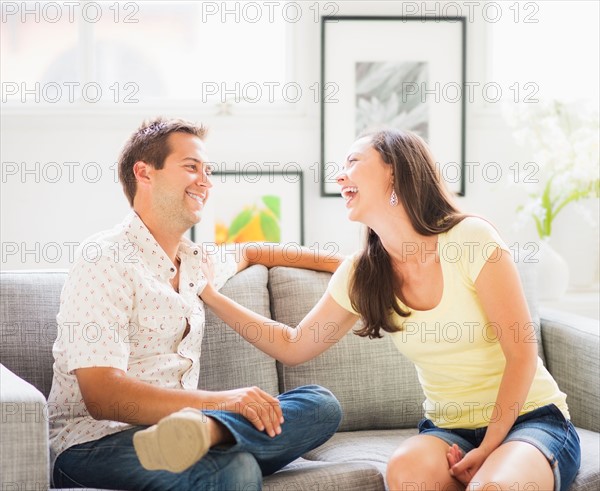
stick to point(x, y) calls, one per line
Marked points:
point(221, 233)
point(252, 232)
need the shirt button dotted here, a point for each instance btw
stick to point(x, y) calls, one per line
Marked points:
point(191, 285)
point(172, 270)
point(195, 253)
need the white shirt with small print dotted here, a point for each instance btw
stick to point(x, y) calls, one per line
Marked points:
point(118, 309)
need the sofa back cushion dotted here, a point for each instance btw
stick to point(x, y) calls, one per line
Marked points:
point(528, 272)
point(228, 361)
point(376, 385)
point(29, 303)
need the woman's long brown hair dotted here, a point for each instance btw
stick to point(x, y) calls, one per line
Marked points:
point(429, 206)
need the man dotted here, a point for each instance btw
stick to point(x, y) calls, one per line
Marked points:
point(125, 411)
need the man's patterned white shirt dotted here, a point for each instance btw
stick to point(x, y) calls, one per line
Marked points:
point(118, 309)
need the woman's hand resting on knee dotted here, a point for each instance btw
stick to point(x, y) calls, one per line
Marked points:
point(464, 467)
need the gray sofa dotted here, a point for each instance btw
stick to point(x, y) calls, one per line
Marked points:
point(377, 387)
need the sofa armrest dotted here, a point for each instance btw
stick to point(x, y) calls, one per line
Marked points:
point(572, 350)
point(24, 457)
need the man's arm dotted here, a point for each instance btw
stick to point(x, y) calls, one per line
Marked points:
point(291, 255)
point(110, 394)
point(98, 296)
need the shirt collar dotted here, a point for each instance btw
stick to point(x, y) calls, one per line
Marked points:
point(151, 252)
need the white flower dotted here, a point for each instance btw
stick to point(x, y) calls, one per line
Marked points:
point(564, 143)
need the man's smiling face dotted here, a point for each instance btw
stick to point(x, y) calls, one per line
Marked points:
point(180, 189)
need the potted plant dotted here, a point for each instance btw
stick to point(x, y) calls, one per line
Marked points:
point(563, 138)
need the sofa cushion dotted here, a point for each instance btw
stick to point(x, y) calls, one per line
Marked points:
point(377, 387)
point(23, 432)
point(372, 446)
point(588, 477)
point(529, 280)
point(29, 303)
point(227, 360)
point(304, 475)
point(376, 448)
point(571, 346)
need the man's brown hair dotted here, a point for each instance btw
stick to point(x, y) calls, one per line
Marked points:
point(150, 144)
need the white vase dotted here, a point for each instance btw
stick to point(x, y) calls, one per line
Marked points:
point(553, 272)
point(575, 237)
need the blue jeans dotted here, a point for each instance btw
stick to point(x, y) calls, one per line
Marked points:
point(545, 428)
point(312, 415)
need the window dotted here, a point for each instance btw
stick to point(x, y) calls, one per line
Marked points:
point(549, 49)
point(143, 52)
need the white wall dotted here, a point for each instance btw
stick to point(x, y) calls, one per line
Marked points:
point(38, 215)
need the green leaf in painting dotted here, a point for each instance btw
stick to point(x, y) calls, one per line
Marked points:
point(273, 203)
point(240, 221)
point(270, 227)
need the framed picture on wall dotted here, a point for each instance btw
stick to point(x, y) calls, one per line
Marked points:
point(401, 72)
point(263, 206)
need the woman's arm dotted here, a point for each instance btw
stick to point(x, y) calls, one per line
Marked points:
point(322, 327)
point(501, 294)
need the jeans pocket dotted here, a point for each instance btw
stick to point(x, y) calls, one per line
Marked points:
point(425, 424)
point(62, 480)
point(557, 412)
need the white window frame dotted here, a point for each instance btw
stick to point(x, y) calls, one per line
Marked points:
point(186, 108)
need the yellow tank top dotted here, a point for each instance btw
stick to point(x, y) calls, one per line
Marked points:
point(459, 361)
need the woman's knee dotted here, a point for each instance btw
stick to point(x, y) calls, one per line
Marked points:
point(415, 467)
point(404, 464)
point(514, 465)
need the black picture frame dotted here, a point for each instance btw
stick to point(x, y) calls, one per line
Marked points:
point(360, 50)
point(232, 191)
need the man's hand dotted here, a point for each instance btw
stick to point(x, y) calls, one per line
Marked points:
point(105, 388)
point(261, 409)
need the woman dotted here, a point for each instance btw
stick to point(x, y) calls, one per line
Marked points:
point(493, 412)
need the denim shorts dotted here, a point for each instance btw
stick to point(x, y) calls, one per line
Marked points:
point(545, 428)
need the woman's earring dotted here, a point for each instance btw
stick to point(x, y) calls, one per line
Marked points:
point(393, 199)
